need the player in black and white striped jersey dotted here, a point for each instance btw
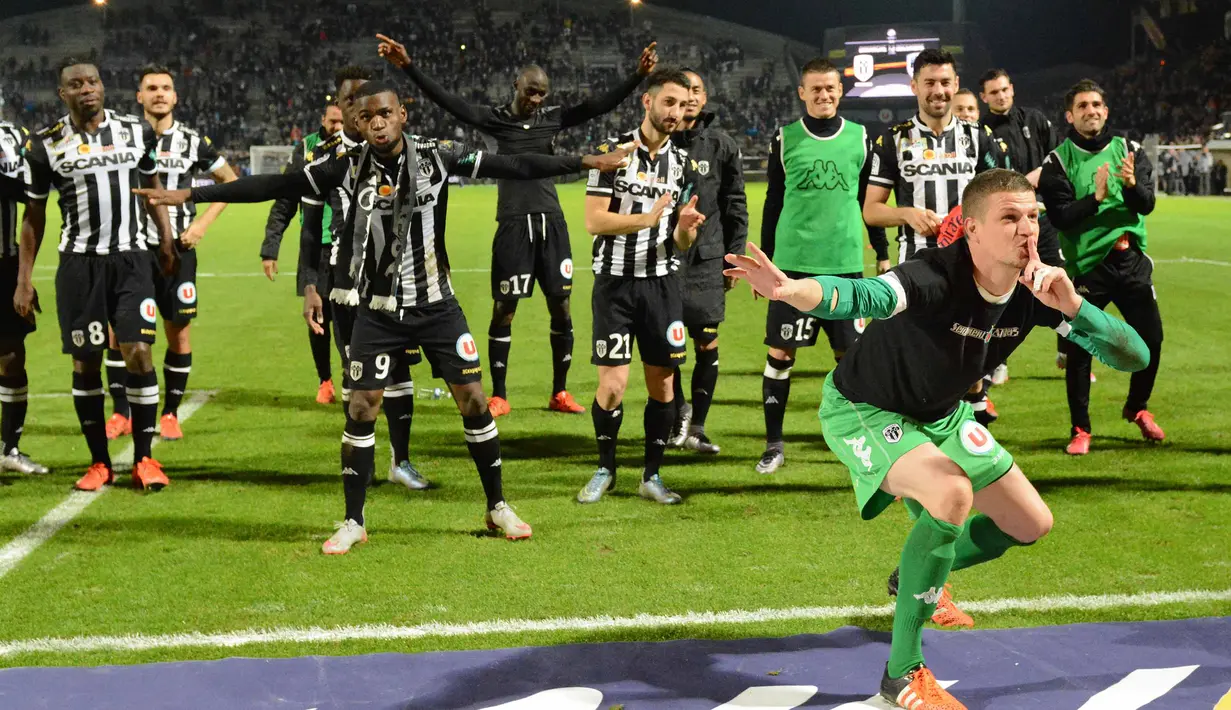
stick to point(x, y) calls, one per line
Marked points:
point(927, 161)
point(95, 158)
point(641, 216)
point(182, 154)
point(14, 383)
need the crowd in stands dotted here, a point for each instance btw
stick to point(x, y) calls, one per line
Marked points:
point(265, 78)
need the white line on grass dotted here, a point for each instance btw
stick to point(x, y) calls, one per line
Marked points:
point(1190, 260)
point(21, 546)
point(387, 632)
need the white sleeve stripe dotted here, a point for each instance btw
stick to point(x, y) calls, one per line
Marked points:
point(217, 164)
point(1063, 329)
point(896, 283)
point(33, 196)
point(312, 182)
point(604, 190)
point(477, 161)
point(880, 180)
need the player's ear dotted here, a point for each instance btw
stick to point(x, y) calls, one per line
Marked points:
point(800, 91)
point(646, 100)
point(1068, 116)
point(402, 111)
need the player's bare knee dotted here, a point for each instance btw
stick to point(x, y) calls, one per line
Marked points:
point(1036, 527)
point(707, 347)
point(177, 338)
point(558, 308)
point(659, 382)
point(782, 353)
point(612, 381)
point(12, 358)
point(947, 496)
point(89, 364)
point(471, 401)
point(503, 312)
point(364, 405)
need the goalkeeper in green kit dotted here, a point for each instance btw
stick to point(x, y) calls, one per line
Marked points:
point(892, 411)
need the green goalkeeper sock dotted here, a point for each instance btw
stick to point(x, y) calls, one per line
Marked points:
point(926, 559)
point(981, 541)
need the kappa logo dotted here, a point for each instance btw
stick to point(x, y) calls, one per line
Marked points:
point(187, 292)
point(348, 471)
point(860, 449)
point(600, 347)
point(772, 400)
point(676, 333)
point(931, 596)
point(149, 310)
point(356, 370)
point(976, 438)
point(466, 348)
point(823, 175)
point(566, 268)
point(892, 433)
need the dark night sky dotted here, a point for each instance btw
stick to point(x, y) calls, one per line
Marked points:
point(1036, 33)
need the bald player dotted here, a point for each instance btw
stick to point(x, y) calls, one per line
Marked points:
point(966, 106)
point(531, 242)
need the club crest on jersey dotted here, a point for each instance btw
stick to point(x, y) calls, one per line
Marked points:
point(676, 333)
point(126, 135)
point(566, 268)
point(786, 331)
point(466, 348)
point(861, 324)
point(425, 168)
point(78, 338)
point(964, 140)
point(703, 167)
point(677, 172)
point(892, 433)
point(356, 370)
point(187, 292)
point(976, 438)
point(149, 310)
point(600, 348)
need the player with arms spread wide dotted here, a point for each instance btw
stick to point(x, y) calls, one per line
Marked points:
point(531, 242)
point(402, 288)
point(893, 412)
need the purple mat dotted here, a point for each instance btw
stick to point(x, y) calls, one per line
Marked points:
point(1051, 668)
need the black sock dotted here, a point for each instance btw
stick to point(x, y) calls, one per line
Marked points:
point(117, 380)
point(561, 353)
point(607, 433)
point(89, 401)
point(13, 389)
point(658, 420)
point(499, 341)
point(175, 369)
point(775, 389)
point(142, 391)
point(358, 464)
point(322, 346)
point(704, 379)
point(483, 440)
point(677, 383)
point(399, 408)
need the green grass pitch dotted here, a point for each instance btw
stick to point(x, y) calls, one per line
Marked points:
point(234, 542)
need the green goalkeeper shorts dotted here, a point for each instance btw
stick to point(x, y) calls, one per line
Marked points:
point(869, 440)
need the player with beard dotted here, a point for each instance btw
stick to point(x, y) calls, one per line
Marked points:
point(893, 413)
point(812, 224)
point(14, 382)
point(532, 241)
point(93, 157)
point(715, 157)
point(183, 153)
point(280, 215)
point(642, 217)
point(402, 291)
point(324, 268)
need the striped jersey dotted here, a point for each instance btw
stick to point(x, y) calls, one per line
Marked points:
point(181, 154)
point(95, 175)
point(634, 190)
point(929, 171)
point(424, 276)
point(12, 165)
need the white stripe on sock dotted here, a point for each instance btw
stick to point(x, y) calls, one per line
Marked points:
point(88, 393)
point(184, 370)
point(774, 373)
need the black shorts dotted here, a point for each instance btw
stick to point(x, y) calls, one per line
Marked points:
point(93, 292)
point(705, 293)
point(12, 326)
point(176, 294)
point(788, 328)
point(439, 330)
point(649, 311)
point(703, 334)
point(344, 328)
point(531, 248)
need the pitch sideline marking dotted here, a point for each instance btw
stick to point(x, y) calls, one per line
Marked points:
point(386, 632)
point(20, 547)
